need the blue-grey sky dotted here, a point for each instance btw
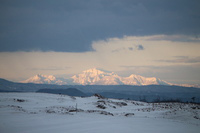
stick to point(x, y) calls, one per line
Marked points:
point(72, 25)
point(158, 38)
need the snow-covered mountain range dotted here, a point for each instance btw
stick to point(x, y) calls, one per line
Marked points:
point(97, 77)
point(45, 79)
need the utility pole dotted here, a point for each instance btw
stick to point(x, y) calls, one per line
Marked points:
point(76, 108)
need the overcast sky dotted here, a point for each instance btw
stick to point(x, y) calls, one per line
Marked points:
point(158, 38)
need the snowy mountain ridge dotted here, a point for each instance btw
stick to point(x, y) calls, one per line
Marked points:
point(96, 77)
point(44, 79)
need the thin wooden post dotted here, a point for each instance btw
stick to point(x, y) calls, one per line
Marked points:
point(76, 108)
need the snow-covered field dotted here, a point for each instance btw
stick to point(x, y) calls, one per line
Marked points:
point(40, 113)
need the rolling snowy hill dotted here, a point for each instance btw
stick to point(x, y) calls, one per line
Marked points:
point(147, 93)
point(50, 113)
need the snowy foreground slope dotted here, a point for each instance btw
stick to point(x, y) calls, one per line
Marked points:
point(40, 113)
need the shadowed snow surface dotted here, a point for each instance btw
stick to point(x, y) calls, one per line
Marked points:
point(40, 113)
